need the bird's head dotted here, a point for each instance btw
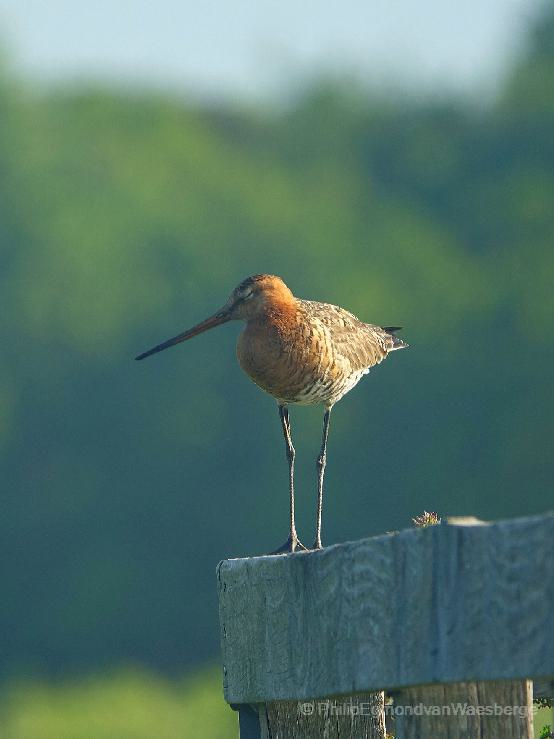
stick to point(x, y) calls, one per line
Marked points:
point(255, 295)
point(252, 298)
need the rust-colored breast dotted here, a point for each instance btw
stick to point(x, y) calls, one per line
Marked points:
point(309, 352)
point(274, 353)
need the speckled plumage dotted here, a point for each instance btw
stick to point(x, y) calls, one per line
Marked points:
point(310, 353)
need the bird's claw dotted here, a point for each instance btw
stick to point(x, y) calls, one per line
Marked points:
point(290, 546)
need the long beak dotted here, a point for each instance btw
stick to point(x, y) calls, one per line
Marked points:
point(221, 316)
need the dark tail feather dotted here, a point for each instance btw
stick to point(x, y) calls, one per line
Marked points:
point(396, 342)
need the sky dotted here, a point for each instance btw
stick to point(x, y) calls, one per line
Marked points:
point(255, 48)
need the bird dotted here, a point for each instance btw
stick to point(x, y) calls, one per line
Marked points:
point(301, 352)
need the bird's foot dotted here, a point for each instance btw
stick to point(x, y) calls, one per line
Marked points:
point(317, 545)
point(292, 544)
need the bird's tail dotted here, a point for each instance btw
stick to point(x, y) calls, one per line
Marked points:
point(397, 343)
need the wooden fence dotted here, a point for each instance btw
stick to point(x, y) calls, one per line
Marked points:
point(452, 621)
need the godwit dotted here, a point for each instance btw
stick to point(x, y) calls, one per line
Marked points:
point(298, 351)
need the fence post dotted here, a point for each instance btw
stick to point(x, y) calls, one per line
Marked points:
point(490, 710)
point(348, 717)
point(461, 612)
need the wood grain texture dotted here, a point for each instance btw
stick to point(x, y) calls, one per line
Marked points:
point(488, 710)
point(449, 603)
point(360, 716)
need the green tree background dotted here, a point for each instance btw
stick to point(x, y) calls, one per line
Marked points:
point(126, 218)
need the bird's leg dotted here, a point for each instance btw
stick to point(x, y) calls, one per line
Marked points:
point(320, 466)
point(293, 543)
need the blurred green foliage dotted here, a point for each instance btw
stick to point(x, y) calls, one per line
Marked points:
point(129, 704)
point(126, 218)
point(132, 704)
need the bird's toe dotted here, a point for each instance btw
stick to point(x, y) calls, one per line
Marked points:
point(290, 546)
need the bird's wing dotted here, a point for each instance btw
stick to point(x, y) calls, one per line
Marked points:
point(361, 345)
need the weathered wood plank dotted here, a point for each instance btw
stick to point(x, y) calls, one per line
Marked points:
point(489, 710)
point(360, 716)
point(448, 603)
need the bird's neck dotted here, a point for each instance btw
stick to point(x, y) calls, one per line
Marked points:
point(278, 315)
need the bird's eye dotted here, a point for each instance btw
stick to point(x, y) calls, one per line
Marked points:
point(247, 296)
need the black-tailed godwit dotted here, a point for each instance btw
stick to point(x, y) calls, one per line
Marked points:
point(298, 351)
